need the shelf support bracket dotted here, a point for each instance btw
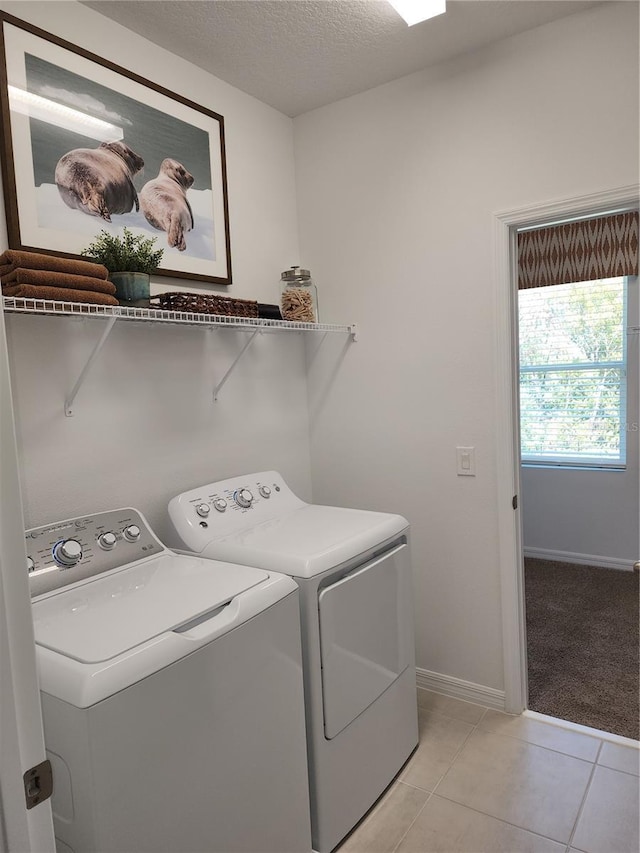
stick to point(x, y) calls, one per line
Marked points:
point(68, 403)
point(231, 369)
point(353, 331)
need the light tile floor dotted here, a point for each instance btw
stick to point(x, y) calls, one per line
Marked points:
point(485, 782)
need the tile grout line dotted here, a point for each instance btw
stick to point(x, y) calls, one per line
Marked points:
point(460, 748)
point(431, 793)
point(595, 762)
point(493, 817)
point(415, 787)
point(505, 822)
point(524, 740)
point(442, 713)
point(475, 728)
point(543, 746)
point(578, 728)
point(618, 770)
point(420, 810)
point(585, 795)
point(449, 717)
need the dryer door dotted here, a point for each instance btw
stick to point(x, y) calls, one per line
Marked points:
point(366, 636)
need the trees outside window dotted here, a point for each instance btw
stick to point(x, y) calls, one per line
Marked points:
point(573, 373)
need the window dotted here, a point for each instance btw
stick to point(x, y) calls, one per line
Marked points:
point(573, 373)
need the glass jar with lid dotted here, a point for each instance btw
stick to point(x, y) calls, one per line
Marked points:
point(299, 297)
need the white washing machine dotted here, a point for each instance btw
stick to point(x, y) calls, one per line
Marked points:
point(354, 575)
point(171, 693)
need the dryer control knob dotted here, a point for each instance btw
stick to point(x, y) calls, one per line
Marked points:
point(131, 533)
point(107, 540)
point(243, 497)
point(203, 510)
point(67, 553)
point(220, 504)
point(30, 565)
point(265, 491)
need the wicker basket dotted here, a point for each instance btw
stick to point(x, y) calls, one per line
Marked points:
point(205, 303)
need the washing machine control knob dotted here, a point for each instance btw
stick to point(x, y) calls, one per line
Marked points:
point(30, 565)
point(67, 552)
point(131, 533)
point(203, 510)
point(243, 498)
point(220, 504)
point(265, 491)
point(107, 541)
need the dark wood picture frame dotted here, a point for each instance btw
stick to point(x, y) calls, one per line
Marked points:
point(47, 86)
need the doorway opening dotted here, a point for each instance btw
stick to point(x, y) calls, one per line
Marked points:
point(577, 370)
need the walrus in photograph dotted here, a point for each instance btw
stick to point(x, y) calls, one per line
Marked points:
point(164, 202)
point(98, 181)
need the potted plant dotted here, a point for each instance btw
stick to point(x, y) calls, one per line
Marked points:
point(130, 259)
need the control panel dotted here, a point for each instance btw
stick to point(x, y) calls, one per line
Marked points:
point(69, 551)
point(230, 496)
point(228, 506)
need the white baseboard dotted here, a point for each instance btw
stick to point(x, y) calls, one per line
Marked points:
point(580, 559)
point(457, 688)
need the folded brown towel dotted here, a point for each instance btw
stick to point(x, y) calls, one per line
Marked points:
point(13, 259)
point(59, 279)
point(60, 294)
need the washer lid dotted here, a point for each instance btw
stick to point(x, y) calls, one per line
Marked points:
point(109, 616)
point(309, 540)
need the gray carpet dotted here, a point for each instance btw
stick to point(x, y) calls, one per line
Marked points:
point(582, 644)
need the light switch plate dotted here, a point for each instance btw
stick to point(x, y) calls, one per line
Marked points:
point(466, 461)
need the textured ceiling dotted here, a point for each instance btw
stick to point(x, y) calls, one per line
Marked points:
point(297, 55)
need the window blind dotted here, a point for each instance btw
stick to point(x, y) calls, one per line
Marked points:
point(584, 250)
point(573, 373)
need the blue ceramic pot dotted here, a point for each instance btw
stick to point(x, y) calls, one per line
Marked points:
point(131, 286)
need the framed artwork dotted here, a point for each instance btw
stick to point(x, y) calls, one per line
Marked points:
point(89, 146)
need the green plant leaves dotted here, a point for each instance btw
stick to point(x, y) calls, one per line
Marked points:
point(127, 253)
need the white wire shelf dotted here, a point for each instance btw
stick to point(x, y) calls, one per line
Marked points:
point(19, 305)
point(254, 325)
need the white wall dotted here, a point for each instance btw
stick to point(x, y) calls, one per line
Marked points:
point(397, 191)
point(593, 516)
point(145, 426)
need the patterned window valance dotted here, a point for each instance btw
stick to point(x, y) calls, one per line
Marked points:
point(579, 251)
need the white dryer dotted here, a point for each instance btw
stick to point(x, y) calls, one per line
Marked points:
point(171, 692)
point(354, 575)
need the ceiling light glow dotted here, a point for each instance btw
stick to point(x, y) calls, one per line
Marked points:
point(414, 11)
